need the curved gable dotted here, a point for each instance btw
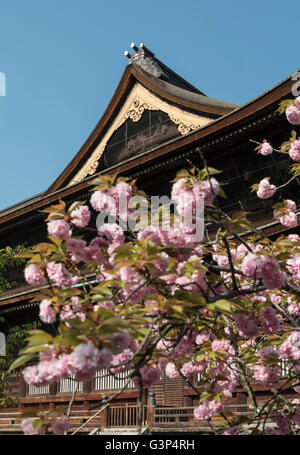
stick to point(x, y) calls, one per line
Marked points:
point(139, 102)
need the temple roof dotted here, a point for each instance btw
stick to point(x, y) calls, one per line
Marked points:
point(159, 74)
point(148, 84)
point(164, 84)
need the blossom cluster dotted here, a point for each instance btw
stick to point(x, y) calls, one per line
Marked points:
point(164, 301)
point(293, 112)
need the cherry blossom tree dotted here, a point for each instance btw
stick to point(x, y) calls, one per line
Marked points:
point(149, 299)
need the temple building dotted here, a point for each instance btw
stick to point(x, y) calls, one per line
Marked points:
point(155, 124)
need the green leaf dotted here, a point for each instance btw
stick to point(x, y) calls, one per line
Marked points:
point(205, 395)
point(36, 258)
point(189, 297)
point(213, 171)
point(220, 305)
point(39, 337)
point(20, 361)
point(222, 194)
point(57, 412)
point(283, 105)
point(75, 205)
point(113, 325)
point(33, 349)
point(37, 424)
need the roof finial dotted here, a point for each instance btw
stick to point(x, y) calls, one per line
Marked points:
point(133, 46)
point(146, 50)
point(126, 53)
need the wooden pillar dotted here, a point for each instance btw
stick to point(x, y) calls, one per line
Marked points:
point(150, 416)
point(53, 389)
point(22, 385)
point(51, 406)
point(87, 386)
point(151, 410)
point(104, 418)
point(187, 401)
point(86, 405)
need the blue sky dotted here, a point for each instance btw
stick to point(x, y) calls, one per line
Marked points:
point(64, 58)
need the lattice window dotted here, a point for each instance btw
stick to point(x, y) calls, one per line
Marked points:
point(105, 381)
point(43, 390)
point(69, 385)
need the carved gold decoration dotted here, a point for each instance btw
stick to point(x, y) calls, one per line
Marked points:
point(139, 100)
point(183, 128)
point(136, 113)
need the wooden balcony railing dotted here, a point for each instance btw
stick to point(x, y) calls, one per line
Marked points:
point(125, 416)
point(183, 417)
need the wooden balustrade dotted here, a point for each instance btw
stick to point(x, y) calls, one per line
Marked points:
point(184, 416)
point(125, 416)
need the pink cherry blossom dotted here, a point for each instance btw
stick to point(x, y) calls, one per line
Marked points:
point(27, 427)
point(81, 216)
point(265, 189)
point(289, 220)
point(295, 150)
point(34, 276)
point(59, 275)
point(249, 265)
point(59, 229)
point(270, 322)
point(206, 189)
point(122, 361)
point(93, 252)
point(61, 425)
point(269, 376)
point(270, 272)
point(283, 424)
point(294, 237)
point(187, 369)
point(266, 149)
point(77, 249)
point(294, 266)
point(47, 313)
point(178, 187)
point(153, 233)
point(32, 376)
point(149, 376)
point(112, 235)
point(296, 415)
point(233, 431)
point(103, 202)
point(171, 370)
point(265, 352)
point(87, 359)
point(245, 325)
point(120, 341)
point(48, 354)
point(294, 309)
point(207, 409)
point(293, 115)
